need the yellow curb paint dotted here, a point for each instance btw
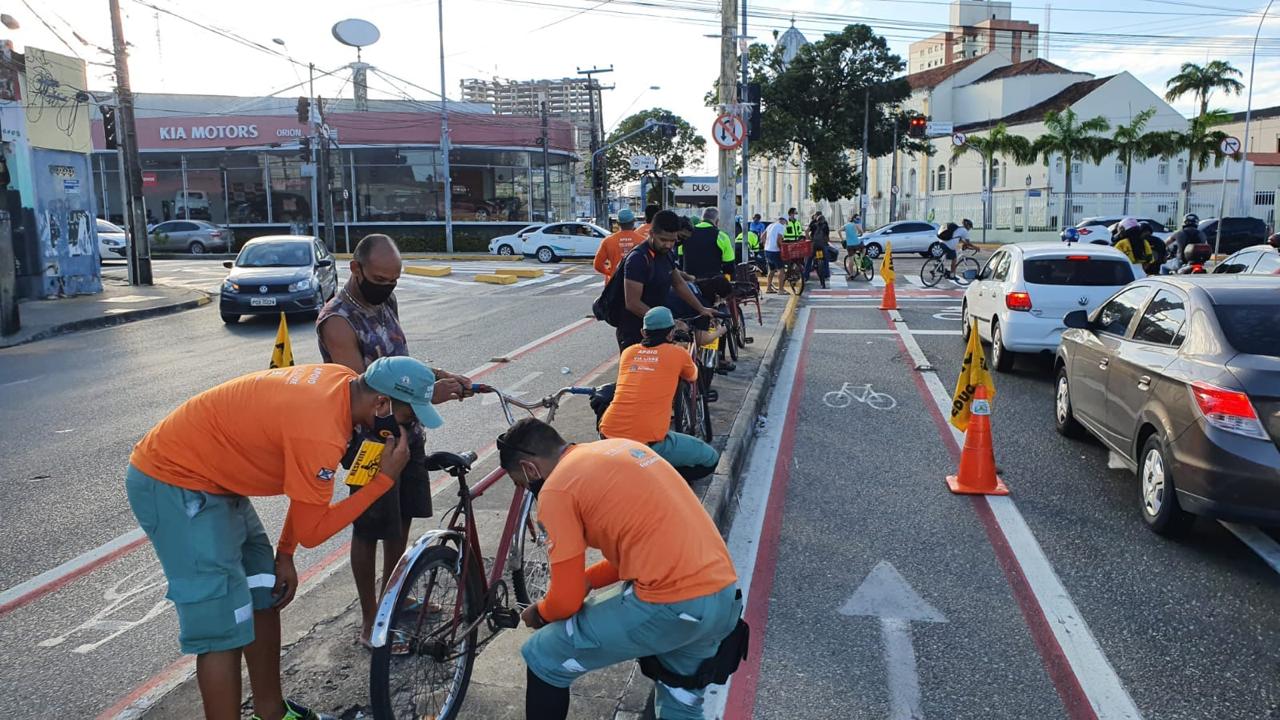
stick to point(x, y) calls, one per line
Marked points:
point(789, 315)
point(498, 279)
point(519, 272)
point(429, 270)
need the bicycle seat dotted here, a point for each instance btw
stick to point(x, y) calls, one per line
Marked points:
point(451, 463)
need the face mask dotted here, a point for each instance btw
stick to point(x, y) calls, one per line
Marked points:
point(385, 426)
point(535, 486)
point(375, 293)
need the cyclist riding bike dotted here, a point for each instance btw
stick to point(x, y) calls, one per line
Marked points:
point(648, 375)
point(851, 234)
point(954, 235)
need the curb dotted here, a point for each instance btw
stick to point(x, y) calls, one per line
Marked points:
point(110, 320)
point(724, 483)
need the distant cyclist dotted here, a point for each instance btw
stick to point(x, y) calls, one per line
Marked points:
point(951, 235)
point(852, 237)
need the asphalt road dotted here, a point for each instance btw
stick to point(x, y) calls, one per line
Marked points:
point(74, 406)
point(1109, 621)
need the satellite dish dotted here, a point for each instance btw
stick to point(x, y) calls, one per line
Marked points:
point(355, 32)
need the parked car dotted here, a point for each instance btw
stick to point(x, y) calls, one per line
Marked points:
point(1238, 233)
point(510, 244)
point(1095, 229)
point(289, 273)
point(552, 242)
point(1256, 260)
point(913, 236)
point(1180, 377)
point(112, 243)
point(193, 236)
point(1021, 295)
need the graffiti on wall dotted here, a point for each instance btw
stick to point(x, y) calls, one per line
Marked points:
point(56, 102)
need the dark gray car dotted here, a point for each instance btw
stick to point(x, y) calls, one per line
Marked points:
point(278, 273)
point(1180, 377)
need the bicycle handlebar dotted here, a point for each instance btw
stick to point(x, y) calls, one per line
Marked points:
point(545, 402)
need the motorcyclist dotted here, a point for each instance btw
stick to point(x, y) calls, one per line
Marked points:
point(1189, 234)
point(1132, 243)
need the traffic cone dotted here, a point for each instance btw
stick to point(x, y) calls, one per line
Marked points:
point(889, 301)
point(977, 474)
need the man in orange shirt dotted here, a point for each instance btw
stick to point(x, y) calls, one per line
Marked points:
point(649, 211)
point(648, 375)
point(275, 432)
point(678, 599)
point(615, 247)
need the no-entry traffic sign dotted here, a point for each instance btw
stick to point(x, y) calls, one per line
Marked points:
point(1230, 145)
point(728, 131)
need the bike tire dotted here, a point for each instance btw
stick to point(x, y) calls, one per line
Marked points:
point(682, 419)
point(704, 418)
point(881, 401)
point(839, 401)
point(392, 703)
point(795, 280)
point(531, 571)
point(965, 265)
point(739, 330)
point(868, 270)
point(932, 272)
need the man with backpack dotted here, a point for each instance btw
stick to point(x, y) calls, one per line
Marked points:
point(953, 235)
point(820, 235)
point(708, 251)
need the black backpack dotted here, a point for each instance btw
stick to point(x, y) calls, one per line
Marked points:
point(948, 231)
point(608, 308)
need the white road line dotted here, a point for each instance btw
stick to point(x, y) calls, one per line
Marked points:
point(70, 567)
point(864, 331)
point(424, 279)
point(572, 281)
point(877, 281)
point(1089, 664)
point(1258, 541)
point(20, 382)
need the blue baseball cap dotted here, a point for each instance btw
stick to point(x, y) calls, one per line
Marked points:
point(659, 318)
point(626, 216)
point(409, 381)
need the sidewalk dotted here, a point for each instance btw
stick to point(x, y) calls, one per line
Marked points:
point(118, 303)
point(324, 665)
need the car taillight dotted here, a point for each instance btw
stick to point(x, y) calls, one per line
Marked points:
point(1227, 410)
point(1077, 257)
point(1017, 301)
point(216, 233)
point(1085, 231)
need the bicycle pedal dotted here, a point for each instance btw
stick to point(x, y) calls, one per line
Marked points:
point(748, 341)
point(711, 395)
point(506, 618)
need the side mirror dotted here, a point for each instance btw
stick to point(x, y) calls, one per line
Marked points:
point(227, 264)
point(1077, 319)
point(326, 262)
point(970, 275)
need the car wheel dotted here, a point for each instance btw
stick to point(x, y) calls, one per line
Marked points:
point(1001, 357)
point(1063, 418)
point(935, 250)
point(874, 250)
point(506, 250)
point(966, 322)
point(230, 319)
point(196, 248)
point(546, 255)
point(1157, 497)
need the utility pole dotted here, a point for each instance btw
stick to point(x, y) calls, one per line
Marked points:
point(546, 170)
point(893, 173)
point(444, 140)
point(326, 176)
point(744, 45)
point(727, 177)
point(139, 244)
point(866, 138)
point(312, 112)
point(599, 201)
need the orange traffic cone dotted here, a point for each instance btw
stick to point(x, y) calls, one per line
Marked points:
point(977, 475)
point(889, 301)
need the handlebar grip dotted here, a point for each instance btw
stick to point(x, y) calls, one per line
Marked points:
point(582, 390)
point(481, 388)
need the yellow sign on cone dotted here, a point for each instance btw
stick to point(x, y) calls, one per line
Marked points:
point(973, 374)
point(886, 267)
point(282, 355)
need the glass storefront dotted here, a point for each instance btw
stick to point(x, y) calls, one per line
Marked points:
point(371, 185)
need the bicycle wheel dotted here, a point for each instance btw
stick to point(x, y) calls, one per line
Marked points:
point(531, 567)
point(881, 401)
point(739, 330)
point(702, 418)
point(966, 270)
point(795, 278)
point(837, 399)
point(431, 679)
point(867, 268)
point(682, 419)
point(932, 272)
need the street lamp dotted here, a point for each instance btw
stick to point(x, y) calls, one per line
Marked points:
point(9, 21)
point(1248, 113)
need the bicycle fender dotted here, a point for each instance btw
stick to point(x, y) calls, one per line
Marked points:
point(382, 622)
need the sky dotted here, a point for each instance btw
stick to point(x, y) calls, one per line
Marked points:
point(182, 46)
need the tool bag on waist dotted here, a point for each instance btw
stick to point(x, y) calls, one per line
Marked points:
point(714, 670)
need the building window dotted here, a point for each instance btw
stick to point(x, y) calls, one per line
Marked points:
point(1057, 165)
point(773, 183)
point(1182, 168)
point(942, 177)
point(1119, 172)
point(1077, 168)
point(994, 180)
point(1162, 171)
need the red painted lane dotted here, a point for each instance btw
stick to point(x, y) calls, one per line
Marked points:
point(39, 592)
point(742, 692)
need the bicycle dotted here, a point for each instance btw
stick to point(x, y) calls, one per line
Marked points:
point(737, 338)
point(794, 255)
point(863, 264)
point(935, 269)
point(439, 594)
point(849, 392)
point(691, 411)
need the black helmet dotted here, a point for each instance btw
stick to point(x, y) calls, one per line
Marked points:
point(1190, 220)
point(967, 222)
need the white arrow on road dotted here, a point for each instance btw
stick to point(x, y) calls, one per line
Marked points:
point(886, 595)
point(511, 390)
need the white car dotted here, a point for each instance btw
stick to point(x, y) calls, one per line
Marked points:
point(552, 242)
point(510, 244)
point(1021, 295)
point(1098, 229)
point(912, 236)
point(112, 244)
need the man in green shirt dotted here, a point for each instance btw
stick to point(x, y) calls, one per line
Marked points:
point(708, 251)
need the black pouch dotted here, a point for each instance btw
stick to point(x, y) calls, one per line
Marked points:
point(714, 670)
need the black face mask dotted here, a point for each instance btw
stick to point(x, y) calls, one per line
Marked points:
point(385, 427)
point(375, 293)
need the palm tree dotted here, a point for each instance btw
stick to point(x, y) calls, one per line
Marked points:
point(997, 142)
point(1201, 143)
point(1200, 82)
point(1130, 143)
point(1066, 136)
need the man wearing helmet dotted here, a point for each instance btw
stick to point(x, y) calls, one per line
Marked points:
point(1133, 242)
point(1190, 234)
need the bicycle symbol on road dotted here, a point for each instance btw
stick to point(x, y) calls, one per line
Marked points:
point(849, 392)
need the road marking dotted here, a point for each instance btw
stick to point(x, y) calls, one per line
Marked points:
point(864, 331)
point(431, 281)
point(1258, 541)
point(486, 368)
point(20, 382)
point(887, 596)
point(1073, 660)
point(512, 390)
point(571, 281)
point(46, 582)
point(848, 392)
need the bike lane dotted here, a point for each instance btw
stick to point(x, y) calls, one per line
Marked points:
point(874, 591)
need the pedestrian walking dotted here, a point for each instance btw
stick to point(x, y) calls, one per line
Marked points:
point(615, 247)
point(773, 236)
point(647, 278)
point(360, 324)
point(270, 433)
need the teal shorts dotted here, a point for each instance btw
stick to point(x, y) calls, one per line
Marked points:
point(682, 450)
point(216, 556)
point(616, 626)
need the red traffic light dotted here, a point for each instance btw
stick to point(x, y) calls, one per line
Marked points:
point(916, 126)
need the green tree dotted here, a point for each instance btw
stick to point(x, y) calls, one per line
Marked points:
point(1200, 81)
point(1200, 142)
point(674, 154)
point(1068, 137)
point(997, 142)
point(1131, 142)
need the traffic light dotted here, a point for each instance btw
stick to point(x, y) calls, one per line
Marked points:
point(669, 128)
point(752, 98)
point(304, 110)
point(109, 127)
point(916, 126)
point(304, 148)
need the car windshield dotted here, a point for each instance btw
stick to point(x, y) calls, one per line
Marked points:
point(1253, 329)
point(275, 255)
point(1090, 272)
point(104, 226)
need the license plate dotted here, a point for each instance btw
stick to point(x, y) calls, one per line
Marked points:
point(260, 302)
